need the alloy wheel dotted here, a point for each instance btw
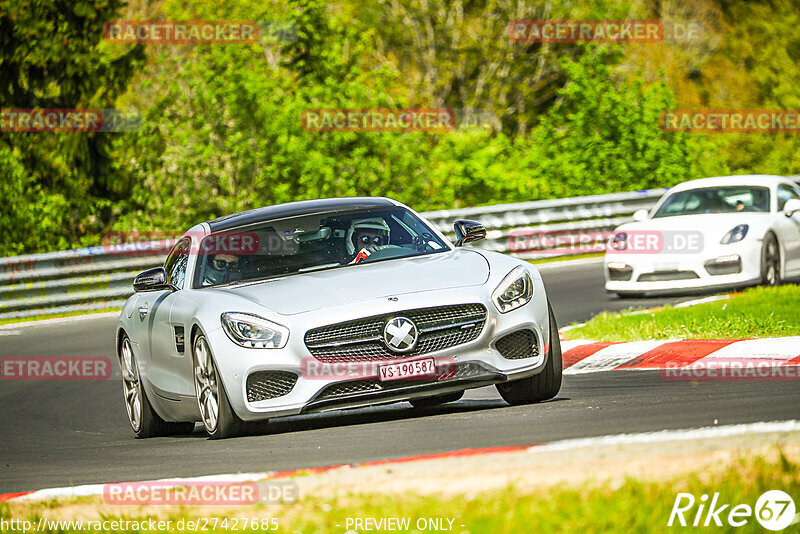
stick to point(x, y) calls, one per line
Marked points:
point(206, 384)
point(772, 263)
point(131, 385)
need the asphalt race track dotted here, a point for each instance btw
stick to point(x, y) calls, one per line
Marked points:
point(62, 433)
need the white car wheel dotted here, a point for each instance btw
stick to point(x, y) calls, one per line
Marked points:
point(770, 262)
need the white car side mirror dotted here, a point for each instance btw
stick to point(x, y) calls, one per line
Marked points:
point(791, 207)
point(641, 215)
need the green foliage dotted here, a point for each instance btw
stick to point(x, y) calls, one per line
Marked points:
point(58, 187)
point(603, 134)
point(221, 129)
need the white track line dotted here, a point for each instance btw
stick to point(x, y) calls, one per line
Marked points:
point(563, 445)
point(60, 320)
point(97, 489)
point(569, 344)
point(567, 263)
point(671, 435)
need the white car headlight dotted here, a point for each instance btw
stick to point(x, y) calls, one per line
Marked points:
point(254, 332)
point(619, 241)
point(514, 291)
point(735, 235)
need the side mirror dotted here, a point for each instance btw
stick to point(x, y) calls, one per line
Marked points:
point(152, 280)
point(791, 207)
point(468, 231)
point(640, 215)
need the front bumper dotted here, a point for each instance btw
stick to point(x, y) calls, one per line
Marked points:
point(473, 364)
point(653, 273)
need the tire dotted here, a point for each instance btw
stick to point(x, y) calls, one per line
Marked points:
point(770, 262)
point(217, 416)
point(429, 402)
point(144, 421)
point(542, 386)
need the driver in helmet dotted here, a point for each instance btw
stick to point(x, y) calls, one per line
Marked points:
point(365, 236)
point(219, 269)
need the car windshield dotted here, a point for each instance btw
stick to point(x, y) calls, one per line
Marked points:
point(715, 200)
point(312, 243)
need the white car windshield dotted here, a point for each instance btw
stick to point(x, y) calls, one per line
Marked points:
point(310, 243)
point(715, 200)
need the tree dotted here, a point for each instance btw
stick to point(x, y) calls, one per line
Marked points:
point(51, 56)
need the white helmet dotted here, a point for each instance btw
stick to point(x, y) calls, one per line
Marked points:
point(376, 224)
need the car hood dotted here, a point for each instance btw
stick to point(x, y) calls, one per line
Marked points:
point(344, 285)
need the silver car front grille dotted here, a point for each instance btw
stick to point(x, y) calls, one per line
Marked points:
point(441, 327)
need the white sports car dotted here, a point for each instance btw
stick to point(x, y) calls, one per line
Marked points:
point(327, 304)
point(711, 233)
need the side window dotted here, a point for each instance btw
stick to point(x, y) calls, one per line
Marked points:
point(785, 193)
point(177, 261)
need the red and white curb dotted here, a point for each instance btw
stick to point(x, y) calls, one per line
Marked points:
point(97, 489)
point(717, 431)
point(585, 356)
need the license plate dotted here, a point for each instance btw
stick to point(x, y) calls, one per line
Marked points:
point(398, 371)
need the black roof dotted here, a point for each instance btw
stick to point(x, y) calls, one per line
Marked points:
point(291, 209)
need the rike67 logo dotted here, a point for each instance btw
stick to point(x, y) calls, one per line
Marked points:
point(774, 510)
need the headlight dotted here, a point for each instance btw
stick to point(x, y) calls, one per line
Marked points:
point(735, 235)
point(514, 291)
point(252, 331)
point(619, 241)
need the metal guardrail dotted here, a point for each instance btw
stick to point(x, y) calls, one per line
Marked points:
point(101, 277)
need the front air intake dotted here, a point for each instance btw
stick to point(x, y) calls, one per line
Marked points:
point(518, 345)
point(263, 385)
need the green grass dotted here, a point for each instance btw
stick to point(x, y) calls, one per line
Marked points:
point(55, 316)
point(633, 506)
point(759, 312)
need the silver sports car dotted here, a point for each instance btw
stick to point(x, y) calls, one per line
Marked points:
point(328, 304)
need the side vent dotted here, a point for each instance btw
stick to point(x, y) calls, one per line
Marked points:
point(179, 345)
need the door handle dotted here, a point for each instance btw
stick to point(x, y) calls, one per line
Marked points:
point(143, 311)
